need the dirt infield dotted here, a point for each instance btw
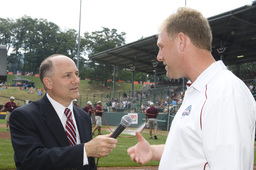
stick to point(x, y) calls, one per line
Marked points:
point(6, 134)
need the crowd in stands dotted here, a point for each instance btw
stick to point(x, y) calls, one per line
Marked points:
point(251, 84)
point(162, 97)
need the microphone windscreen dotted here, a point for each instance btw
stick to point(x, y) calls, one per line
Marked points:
point(126, 120)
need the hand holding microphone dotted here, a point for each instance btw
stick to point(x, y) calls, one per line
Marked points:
point(125, 121)
point(102, 145)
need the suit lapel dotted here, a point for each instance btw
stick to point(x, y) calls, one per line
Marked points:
point(84, 128)
point(53, 122)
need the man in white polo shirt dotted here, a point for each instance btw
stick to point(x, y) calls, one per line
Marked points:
point(215, 125)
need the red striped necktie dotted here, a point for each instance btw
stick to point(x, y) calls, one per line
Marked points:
point(70, 127)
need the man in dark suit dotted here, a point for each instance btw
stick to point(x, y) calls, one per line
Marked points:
point(40, 133)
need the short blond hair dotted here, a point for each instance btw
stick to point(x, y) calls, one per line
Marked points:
point(193, 24)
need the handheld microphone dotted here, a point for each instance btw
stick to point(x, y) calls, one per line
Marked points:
point(125, 121)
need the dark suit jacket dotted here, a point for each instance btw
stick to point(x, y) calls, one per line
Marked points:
point(40, 142)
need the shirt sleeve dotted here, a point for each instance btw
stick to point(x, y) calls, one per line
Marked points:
point(227, 132)
point(85, 160)
point(5, 105)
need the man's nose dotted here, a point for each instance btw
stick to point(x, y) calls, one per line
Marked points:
point(159, 57)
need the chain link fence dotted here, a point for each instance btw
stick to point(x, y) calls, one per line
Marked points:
point(136, 101)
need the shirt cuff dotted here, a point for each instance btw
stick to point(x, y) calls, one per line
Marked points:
point(85, 160)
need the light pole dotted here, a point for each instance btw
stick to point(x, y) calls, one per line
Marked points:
point(78, 49)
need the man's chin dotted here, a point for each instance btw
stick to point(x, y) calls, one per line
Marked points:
point(76, 95)
point(169, 76)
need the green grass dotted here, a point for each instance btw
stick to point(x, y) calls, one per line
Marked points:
point(6, 151)
point(117, 158)
point(20, 95)
point(6, 154)
point(87, 91)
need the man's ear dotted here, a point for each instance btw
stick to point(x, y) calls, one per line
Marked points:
point(182, 41)
point(47, 82)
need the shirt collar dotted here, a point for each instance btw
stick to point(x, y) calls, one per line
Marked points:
point(207, 75)
point(59, 108)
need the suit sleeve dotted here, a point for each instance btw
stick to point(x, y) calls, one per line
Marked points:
point(35, 145)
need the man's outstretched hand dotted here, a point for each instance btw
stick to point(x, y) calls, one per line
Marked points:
point(141, 152)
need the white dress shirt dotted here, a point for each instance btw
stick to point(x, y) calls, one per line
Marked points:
point(59, 108)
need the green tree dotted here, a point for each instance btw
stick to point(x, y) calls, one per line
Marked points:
point(6, 27)
point(123, 74)
point(139, 76)
point(244, 71)
point(32, 40)
point(66, 43)
point(99, 41)
point(44, 43)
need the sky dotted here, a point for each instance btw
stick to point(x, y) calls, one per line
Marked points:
point(137, 18)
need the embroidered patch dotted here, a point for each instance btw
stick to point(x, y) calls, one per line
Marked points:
point(186, 111)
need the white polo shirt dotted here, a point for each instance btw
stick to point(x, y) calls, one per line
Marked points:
point(215, 125)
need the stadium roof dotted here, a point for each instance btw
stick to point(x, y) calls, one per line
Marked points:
point(236, 31)
point(234, 41)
